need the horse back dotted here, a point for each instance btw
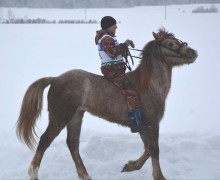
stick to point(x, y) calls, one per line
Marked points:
point(81, 90)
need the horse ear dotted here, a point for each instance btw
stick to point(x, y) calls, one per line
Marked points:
point(155, 35)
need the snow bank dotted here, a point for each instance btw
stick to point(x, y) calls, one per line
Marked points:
point(182, 156)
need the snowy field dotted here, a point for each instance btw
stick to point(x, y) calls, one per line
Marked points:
point(189, 136)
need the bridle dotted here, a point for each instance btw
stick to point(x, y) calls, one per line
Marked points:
point(178, 51)
point(159, 45)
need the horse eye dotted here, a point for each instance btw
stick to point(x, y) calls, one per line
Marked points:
point(170, 44)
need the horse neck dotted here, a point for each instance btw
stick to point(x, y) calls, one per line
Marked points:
point(159, 78)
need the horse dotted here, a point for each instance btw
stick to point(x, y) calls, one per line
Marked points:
point(77, 91)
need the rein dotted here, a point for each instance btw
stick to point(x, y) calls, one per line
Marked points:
point(135, 50)
point(160, 51)
point(128, 53)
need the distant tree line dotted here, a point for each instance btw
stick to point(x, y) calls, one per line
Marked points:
point(44, 21)
point(96, 3)
point(201, 9)
point(11, 19)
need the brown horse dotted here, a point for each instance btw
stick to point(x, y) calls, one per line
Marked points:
point(77, 91)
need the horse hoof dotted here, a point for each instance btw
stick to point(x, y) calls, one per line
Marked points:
point(126, 168)
point(33, 172)
point(86, 178)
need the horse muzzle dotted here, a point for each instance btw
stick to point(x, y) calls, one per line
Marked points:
point(191, 55)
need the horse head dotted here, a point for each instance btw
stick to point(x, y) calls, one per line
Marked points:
point(172, 50)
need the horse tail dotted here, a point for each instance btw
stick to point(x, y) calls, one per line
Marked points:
point(30, 111)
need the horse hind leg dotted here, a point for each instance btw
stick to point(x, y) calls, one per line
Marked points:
point(46, 139)
point(73, 136)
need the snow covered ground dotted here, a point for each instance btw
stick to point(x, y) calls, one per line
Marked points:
point(189, 138)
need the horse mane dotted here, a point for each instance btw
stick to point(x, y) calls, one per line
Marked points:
point(150, 51)
point(144, 69)
point(162, 34)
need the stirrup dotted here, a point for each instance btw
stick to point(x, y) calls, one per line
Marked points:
point(136, 123)
point(140, 129)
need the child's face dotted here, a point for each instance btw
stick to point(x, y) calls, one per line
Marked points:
point(113, 28)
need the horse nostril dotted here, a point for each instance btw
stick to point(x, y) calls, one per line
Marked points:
point(194, 53)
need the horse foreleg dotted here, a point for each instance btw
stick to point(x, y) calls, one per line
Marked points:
point(73, 135)
point(45, 141)
point(137, 164)
point(154, 153)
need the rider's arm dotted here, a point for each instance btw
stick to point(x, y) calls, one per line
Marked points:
point(111, 49)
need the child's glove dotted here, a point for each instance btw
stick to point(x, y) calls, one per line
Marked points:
point(129, 42)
